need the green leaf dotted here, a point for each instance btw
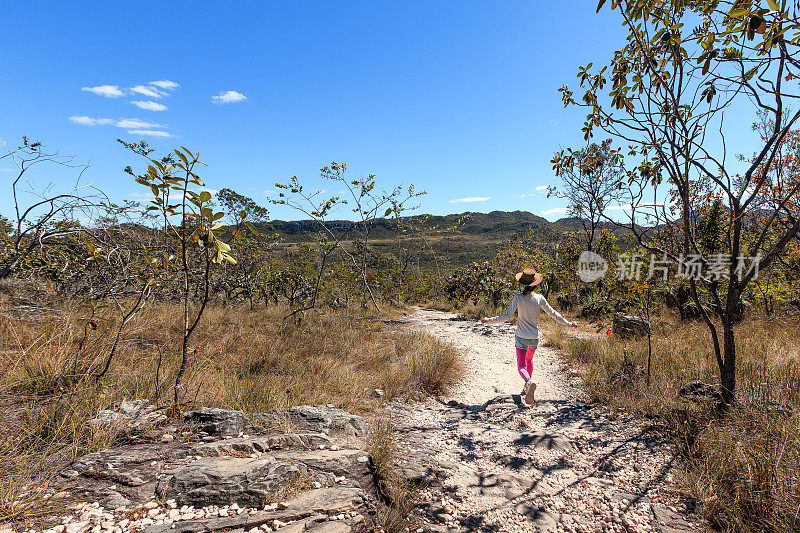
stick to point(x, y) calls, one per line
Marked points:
point(388, 212)
point(183, 157)
point(205, 196)
point(774, 5)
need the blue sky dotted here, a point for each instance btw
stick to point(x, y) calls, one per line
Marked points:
point(458, 98)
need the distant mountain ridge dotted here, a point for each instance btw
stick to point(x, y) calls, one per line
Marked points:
point(497, 224)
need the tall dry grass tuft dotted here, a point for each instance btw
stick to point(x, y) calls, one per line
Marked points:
point(250, 360)
point(742, 465)
point(393, 486)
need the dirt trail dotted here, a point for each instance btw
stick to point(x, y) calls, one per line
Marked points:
point(495, 464)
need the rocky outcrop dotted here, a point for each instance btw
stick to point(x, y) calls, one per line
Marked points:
point(626, 326)
point(211, 476)
point(697, 391)
point(131, 417)
point(216, 422)
point(250, 482)
point(319, 419)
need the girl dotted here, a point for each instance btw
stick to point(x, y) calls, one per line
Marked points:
point(527, 306)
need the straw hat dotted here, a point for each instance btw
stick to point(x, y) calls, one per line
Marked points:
point(529, 277)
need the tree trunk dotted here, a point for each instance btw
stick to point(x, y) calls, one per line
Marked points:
point(728, 370)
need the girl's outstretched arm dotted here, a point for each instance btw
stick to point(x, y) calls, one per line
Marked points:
point(512, 307)
point(555, 314)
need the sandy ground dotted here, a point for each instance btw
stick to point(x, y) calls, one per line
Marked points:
point(559, 465)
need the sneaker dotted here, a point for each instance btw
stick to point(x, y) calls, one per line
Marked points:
point(531, 386)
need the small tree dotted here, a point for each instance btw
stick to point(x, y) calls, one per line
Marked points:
point(669, 89)
point(591, 184)
point(194, 226)
point(364, 201)
point(45, 218)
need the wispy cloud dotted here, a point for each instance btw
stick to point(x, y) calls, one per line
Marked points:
point(109, 91)
point(556, 211)
point(149, 105)
point(6, 170)
point(541, 189)
point(167, 85)
point(151, 133)
point(127, 123)
point(228, 97)
point(470, 199)
point(154, 89)
point(141, 195)
point(137, 124)
point(150, 92)
point(552, 121)
point(89, 121)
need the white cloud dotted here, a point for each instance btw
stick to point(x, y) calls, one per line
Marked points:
point(127, 123)
point(89, 121)
point(149, 105)
point(470, 200)
point(556, 211)
point(152, 133)
point(150, 92)
point(541, 188)
point(524, 195)
point(6, 170)
point(137, 123)
point(553, 122)
point(109, 91)
point(228, 97)
point(165, 84)
point(141, 195)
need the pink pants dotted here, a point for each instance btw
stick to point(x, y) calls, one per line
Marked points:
point(525, 362)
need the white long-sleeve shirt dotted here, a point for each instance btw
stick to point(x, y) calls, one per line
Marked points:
point(527, 307)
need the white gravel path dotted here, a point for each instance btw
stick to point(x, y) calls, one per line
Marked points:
point(559, 465)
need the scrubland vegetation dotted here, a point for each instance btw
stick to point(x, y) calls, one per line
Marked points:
point(250, 360)
point(191, 299)
point(740, 465)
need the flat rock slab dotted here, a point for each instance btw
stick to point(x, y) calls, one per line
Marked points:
point(224, 480)
point(347, 462)
point(317, 419)
point(263, 444)
point(325, 501)
point(219, 422)
point(668, 521)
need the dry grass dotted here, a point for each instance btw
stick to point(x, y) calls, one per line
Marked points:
point(741, 466)
point(394, 488)
point(250, 360)
point(554, 335)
